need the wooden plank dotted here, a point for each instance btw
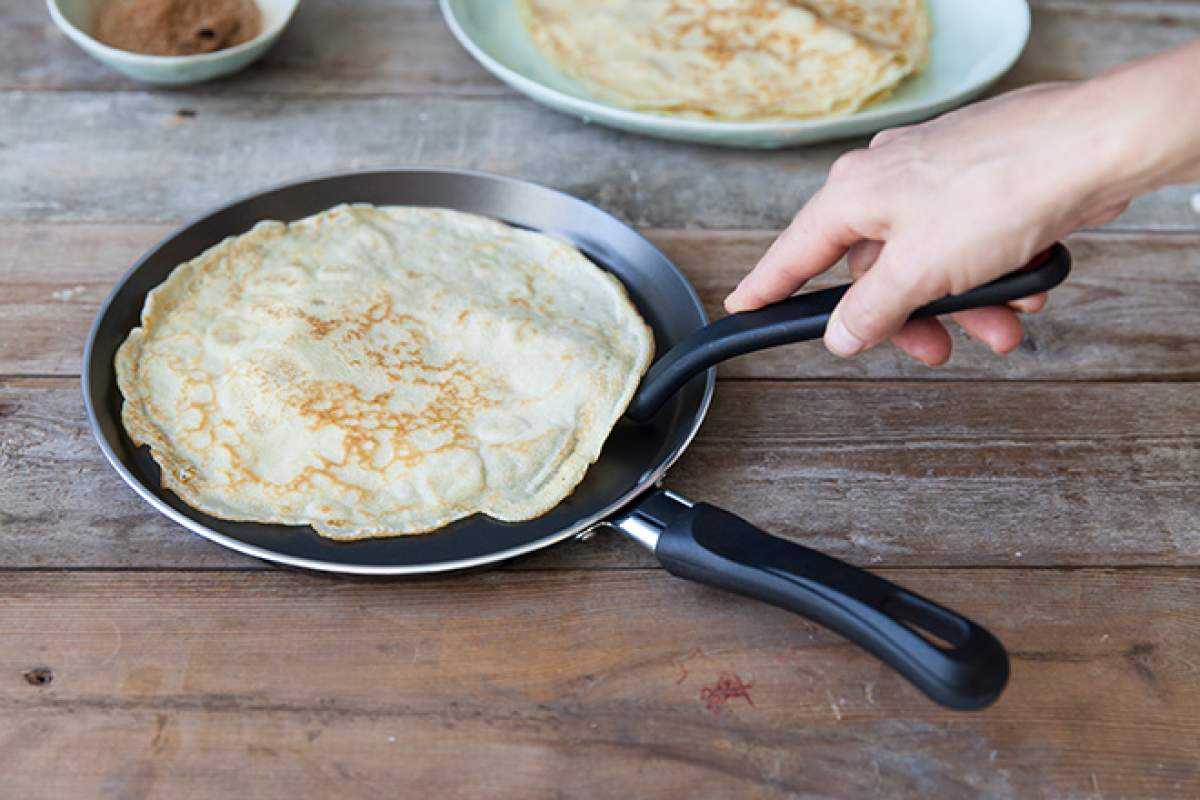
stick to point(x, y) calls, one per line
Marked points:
point(283, 685)
point(1127, 312)
point(1076, 39)
point(52, 281)
point(236, 145)
point(130, 157)
point(331, 46)
point(884, 474)
point(70, 155)
point(403, 47)
point(968, 473)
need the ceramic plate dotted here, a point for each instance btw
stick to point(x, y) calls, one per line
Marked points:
point(974, 43)
point(74, 18)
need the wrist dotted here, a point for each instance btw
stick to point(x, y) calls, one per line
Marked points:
point(1117, 160)
point(1147, 115)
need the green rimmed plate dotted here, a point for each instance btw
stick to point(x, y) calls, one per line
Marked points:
point(973, 45)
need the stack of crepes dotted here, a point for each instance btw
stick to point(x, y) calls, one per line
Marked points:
point(734, 59)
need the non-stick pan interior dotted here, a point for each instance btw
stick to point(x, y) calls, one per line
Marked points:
point(633, 456)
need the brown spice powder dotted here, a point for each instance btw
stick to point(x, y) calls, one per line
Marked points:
point(176, 27)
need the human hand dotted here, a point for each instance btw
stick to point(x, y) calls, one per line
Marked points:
point(942, 207)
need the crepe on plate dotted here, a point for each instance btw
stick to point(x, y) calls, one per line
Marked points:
point(733, 59)
point(375, 371)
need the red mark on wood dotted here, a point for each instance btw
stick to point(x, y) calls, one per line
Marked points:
point(789, 656)
point(728, 687)
point(682, 664)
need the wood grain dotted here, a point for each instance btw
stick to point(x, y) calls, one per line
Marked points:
point(885, 474)
point(235, 145)
point(403, 47)
point(1055, 505)
point(1077, 39)
point(398, 47)
point(577, 685)
point(381, 83)
point(1126, 313)
point(69, 157)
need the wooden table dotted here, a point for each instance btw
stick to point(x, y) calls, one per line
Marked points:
point(1052, 495)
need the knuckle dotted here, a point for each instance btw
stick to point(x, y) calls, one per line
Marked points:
point(921, 272)
point(956, 284)
point(902, 287)
point(868, 321)
point(849, 165)
point(884, 136)
point(931, 281)
point(871, 317)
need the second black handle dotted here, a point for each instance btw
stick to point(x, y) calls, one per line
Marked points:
point(968, 669)
point(804, 316)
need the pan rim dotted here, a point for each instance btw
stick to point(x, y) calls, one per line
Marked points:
point(601, 517)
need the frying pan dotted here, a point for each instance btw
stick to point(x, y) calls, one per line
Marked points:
point(953, 660)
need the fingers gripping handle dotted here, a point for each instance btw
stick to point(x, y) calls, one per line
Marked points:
point(805, 316)
point(713, 547)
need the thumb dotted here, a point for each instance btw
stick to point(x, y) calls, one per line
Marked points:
point(815, 240)
point(879, 303)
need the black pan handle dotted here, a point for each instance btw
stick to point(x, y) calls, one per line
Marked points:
point(805, 316)
point(967, 670)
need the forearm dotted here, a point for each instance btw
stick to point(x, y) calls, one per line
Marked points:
point(1152, 108)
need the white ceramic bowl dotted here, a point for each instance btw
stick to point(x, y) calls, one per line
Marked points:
point(974, 43)
point(74, 18)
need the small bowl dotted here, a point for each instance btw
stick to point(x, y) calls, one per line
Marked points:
point(74, 18)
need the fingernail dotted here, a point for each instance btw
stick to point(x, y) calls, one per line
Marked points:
point(840, 341)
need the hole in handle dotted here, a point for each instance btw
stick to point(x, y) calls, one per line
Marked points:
point(936, 625)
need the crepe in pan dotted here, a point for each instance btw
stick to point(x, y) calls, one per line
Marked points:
point(733, 59)
point(374, 371)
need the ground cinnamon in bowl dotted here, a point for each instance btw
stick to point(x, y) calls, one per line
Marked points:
point(176, 27)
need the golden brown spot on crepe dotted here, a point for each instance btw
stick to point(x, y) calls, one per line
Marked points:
point(202, 409)
point(317, 326)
